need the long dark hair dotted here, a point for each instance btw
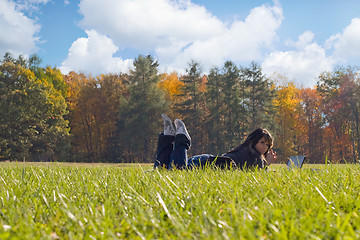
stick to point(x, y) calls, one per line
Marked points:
point(253, 138)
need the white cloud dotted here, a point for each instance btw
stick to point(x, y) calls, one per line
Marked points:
point(179, 31)
point(147, 24)
point(242, 41)
point(308, 59)
point(304, 39)
point(347, 43)
point(36, 1)
point(29, 5)
point(18, 32)
point(303, 64)
point(94, 55)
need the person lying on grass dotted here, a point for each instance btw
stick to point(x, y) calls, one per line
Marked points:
point(174, 143)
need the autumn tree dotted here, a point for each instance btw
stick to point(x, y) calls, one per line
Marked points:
point(93, 104)
point(79, 118)
point(53, 77)
point(310, 141)
point(172, 86)
point(32, 114)
point(287, 104)
point(340, 92)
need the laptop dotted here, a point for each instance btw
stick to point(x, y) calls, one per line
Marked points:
point(295, 162)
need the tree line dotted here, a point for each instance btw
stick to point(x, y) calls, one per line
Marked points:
point(48, 116)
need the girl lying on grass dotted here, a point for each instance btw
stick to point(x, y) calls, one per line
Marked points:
point(173, 144)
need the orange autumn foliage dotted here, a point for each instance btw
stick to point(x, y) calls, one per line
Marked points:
point(287, 104)
point(171, 84)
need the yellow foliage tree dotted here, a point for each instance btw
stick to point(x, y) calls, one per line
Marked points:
point(287, 103)
point(171, 84)
point(94, 105)
point(173, 89)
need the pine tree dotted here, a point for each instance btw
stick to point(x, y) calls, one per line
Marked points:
point(192, 105)
point(234, 110)
point(215, 119)
point(259, 97)
point(139, 117)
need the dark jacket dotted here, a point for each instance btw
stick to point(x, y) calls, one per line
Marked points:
point(244, 158)
point(241, 158)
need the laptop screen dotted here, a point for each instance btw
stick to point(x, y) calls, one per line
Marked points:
point(295, 161)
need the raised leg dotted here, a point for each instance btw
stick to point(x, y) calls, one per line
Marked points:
point(164, 151)
point(182, 144)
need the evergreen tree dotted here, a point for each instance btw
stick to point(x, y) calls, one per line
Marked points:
point(234, 110)
point(224, 102)
point(139, 117)
point(259, 97)
point(192, 105)
point(215, 120)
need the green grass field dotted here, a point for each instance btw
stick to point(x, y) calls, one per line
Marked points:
point(104, 201)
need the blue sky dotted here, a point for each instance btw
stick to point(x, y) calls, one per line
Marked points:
point(297, 39)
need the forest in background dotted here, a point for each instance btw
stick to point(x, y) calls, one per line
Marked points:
point(48, 116)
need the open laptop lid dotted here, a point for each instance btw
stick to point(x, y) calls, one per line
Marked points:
point(296, 161)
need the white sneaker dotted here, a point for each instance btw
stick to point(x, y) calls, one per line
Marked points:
point(181, 129)
point(168, 125)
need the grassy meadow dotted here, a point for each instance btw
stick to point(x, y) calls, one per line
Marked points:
point(81, 201)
